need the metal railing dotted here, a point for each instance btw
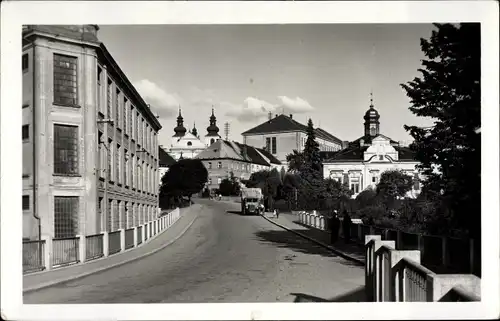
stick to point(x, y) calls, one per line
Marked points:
point(94, 248)
point(65, 251)
point(129, 238)
point(114, 242)
point(33, 256)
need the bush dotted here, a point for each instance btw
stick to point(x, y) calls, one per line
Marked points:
point(370, 214)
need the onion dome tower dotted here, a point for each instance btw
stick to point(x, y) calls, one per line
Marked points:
point(212, 131)
point(180, 130)
point(194, 131)
point(372, 124)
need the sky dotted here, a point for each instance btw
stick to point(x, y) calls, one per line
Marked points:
point(324, 72)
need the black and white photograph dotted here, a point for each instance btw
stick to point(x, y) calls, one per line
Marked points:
point(261, 154)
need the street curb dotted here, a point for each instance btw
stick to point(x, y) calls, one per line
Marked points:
point(339, 253)
point(82, 275)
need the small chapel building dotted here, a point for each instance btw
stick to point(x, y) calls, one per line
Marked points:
point(361, 163)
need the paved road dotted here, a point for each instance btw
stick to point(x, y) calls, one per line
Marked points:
point(224, 257)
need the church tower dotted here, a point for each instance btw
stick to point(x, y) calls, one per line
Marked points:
point(372, 124)
point(194, 131)
point(212, 131)
point(180, 130)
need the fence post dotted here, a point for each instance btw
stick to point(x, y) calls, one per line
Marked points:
point(380, 274)
point(82, 244)
point(48, 252)
point(444, 250)
point(420, 242)
point(135, 236)
point(122, 239)
point(105, 243)
point(369, 265)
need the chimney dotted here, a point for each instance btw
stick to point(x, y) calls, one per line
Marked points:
point(291, 116)
point(361, 142)
point(269, 115)
point(275, 115)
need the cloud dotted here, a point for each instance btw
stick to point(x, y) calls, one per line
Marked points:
point(253, 108)
point(162, 103)
point(297, 105)
point(250, 109)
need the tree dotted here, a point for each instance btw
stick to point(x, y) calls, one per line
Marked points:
point(229, 186)
point(184, 178)
point(295, 161)
point(393, 184)
point(449, 92)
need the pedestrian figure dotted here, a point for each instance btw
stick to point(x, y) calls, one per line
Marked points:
point(346, 224)
point(277, 213)
point(334, 228)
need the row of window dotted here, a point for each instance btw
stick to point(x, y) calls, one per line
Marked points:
point(355, 184)
point(234, 166)
point(128, 169)
point(219, 180)
point(126, 116)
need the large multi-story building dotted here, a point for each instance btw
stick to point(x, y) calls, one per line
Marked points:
point(282, 134)
point(361, 163)
point(225, 157)
point(90, 151)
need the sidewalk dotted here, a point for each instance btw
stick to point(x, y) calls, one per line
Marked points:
point(39, 280)
point(351, 251)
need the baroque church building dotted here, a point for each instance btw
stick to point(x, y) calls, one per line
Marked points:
point(187, 144)
point(361, 163)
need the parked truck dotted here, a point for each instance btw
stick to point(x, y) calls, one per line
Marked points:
point(251, 201)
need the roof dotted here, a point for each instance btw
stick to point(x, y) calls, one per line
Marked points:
point(355, 152)
point(223, 149)
point(283, 123)
point(165, 160)
point(269, 156)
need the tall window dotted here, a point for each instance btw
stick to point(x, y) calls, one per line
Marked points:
point(117, 107)
point(219, 165)
point(354, 181)
point(118, 166)
point(102, 164)
point(109, 100)
point(65, 216)
point(268, 144)
point(137, 128)
point(25, 62)
point(65, 149)
point(110, 160)
point(125, 115)
point(26, 132)
point(26, 202)
point(125, 170)
point(273, 145)
point(209, 165)
point(65, 80)
point(129, 119)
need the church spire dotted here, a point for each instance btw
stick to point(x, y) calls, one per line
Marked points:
point(180, 130)
point(194, 131)
point(213, 130)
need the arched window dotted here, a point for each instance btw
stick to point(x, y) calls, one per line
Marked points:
point(212, 141)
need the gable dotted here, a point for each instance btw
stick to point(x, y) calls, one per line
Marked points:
point(280, 123)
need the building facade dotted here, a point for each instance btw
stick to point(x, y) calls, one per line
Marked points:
point(225, 157)
point(282, 134)
point(90, 150)
point(365, 159)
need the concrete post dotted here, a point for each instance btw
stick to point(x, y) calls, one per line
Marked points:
point(47, 254)
point(122, 240)
point(105, 243)
point(135, 236)
point(397, 284)
point(380, 275)
point(440, 284)
point(143, 233)
point(369, 265)
point(82, 245)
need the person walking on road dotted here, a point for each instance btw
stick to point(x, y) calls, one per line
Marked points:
point(346, 224)
point(334, 228)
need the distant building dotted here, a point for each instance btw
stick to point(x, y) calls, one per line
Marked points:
point(90, 150)
point(365, 159)
point(164, 163)
point(223, 157)
point(282, 134)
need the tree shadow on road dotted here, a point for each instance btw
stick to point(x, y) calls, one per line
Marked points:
point(357, 295)
point(287, 239)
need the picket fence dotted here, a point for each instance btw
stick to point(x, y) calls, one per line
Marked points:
point(50, 253)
